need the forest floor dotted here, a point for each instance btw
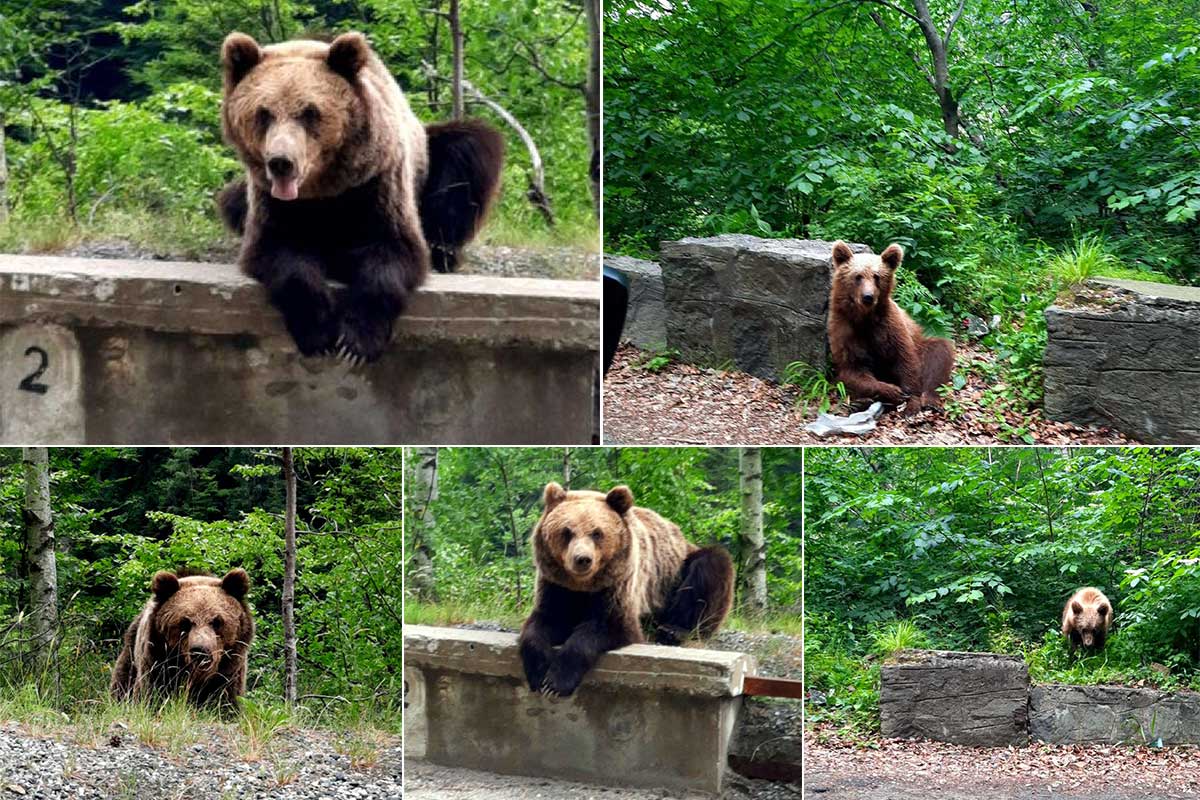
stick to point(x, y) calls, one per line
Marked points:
point(889, 769)
point(213, 763)
point(686, 404)
point(561, 263)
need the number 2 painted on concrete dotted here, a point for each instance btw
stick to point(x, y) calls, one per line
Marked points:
point(30, 382)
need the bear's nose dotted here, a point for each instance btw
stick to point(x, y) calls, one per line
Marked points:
point(868, 299)
point(201, 654)
point(280, 166)
point(583, 562)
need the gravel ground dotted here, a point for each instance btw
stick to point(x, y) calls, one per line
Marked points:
point(890, 769)
point(686, 404)
point(300, 765)
point(432, 782)
point(563, 263)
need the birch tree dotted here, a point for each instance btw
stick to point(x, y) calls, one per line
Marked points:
point(40, 552)
point(753, 546)
point(424, 493)
point(289, 579)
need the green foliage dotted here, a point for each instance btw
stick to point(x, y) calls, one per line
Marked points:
point(815, 387)
point(978, 549)
point(656, 361)
point(1087, 258)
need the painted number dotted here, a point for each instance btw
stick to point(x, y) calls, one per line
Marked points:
point(30, 382)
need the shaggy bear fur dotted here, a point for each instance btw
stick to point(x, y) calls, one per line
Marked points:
point(878, 351)
point(193, 635)
point(344, 182)
point(1086, 618)
point(604, 566)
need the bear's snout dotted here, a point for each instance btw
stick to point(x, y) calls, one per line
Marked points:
point(868, 298)
point(583, 562)
point(581, 556)
point(281, 167)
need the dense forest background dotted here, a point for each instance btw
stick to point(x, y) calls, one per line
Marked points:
point(122, 514)
point(979, 548)
point(1014, 149)
point(110, 108)
point(470, 512)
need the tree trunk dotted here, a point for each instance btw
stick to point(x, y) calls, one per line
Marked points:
point(420, 576)
point(753, 546)
point(456, 82)
point(3, 175)
point(592, 98)
point(40, 548)
point(289, 579)
point(567, 468)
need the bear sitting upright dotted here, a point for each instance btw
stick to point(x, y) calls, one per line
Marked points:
point(878, 351)
point(603, 566)
point(193, 634)
point(344, 182)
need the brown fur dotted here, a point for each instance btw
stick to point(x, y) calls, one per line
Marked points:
point(878, 351)
point(606, 566)
point(1086, 618)
point(193, 635)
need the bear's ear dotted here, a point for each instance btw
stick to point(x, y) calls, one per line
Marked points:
point(619, 499)
point(552, 495)
point(842, 254)
point(1076, 608)
point(239, 54)
point(164, 585)
point(236, 583)
point(348, 54)
point(892, 256)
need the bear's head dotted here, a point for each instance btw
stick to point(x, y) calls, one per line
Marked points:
point(864, 281)
point(202, 621)
point(1091, 616)
point(582, 540)
point(293, 111)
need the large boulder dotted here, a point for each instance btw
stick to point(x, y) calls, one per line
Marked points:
point(759, 304)
point(646, 317)
point(1063, 714)
point(1126, 354)
point(977, 699)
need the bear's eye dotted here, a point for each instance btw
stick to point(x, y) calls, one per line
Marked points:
point(264, 118)
point(858, 278)
point(597, 535)
point(311, 115)
point(217, 624)
point(185, 625)
point(566, 534)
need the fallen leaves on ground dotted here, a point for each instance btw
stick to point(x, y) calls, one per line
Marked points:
point(1068, 769)
point(686, 404)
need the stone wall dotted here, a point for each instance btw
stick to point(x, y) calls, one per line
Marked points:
point(979, 699)
point(1126, 354)
point(648, 716)
point(1113, 715)
point(126, 352)
point(757, 303)
point(984, 699)
point(646, 317)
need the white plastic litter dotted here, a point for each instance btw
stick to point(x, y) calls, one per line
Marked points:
point(857, 423)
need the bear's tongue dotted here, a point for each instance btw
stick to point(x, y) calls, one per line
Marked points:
point(285, 188)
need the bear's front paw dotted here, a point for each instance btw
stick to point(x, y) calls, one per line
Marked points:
point(890, 394)
point(315, 336)
point(363, 339)
point(561, 681)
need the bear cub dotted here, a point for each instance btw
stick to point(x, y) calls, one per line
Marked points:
point(1086, 619)
point(343, 182)
point(605, 566)
point(193, 635)
point(878, 351)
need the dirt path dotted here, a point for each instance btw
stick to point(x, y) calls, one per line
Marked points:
point(685, 404)
point(294, 765)
point(902, 770)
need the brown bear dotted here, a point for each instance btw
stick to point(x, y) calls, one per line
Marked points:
point(1086, 618)
point(344, 182)
point(878, 351)
point(604, 566)
point(193, 634)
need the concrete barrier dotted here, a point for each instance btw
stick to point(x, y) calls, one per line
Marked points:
point(645, 716)
point(1126, 354)
point(646, 317)
point(759, 304)
point(979, 699)
point(104, 351)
